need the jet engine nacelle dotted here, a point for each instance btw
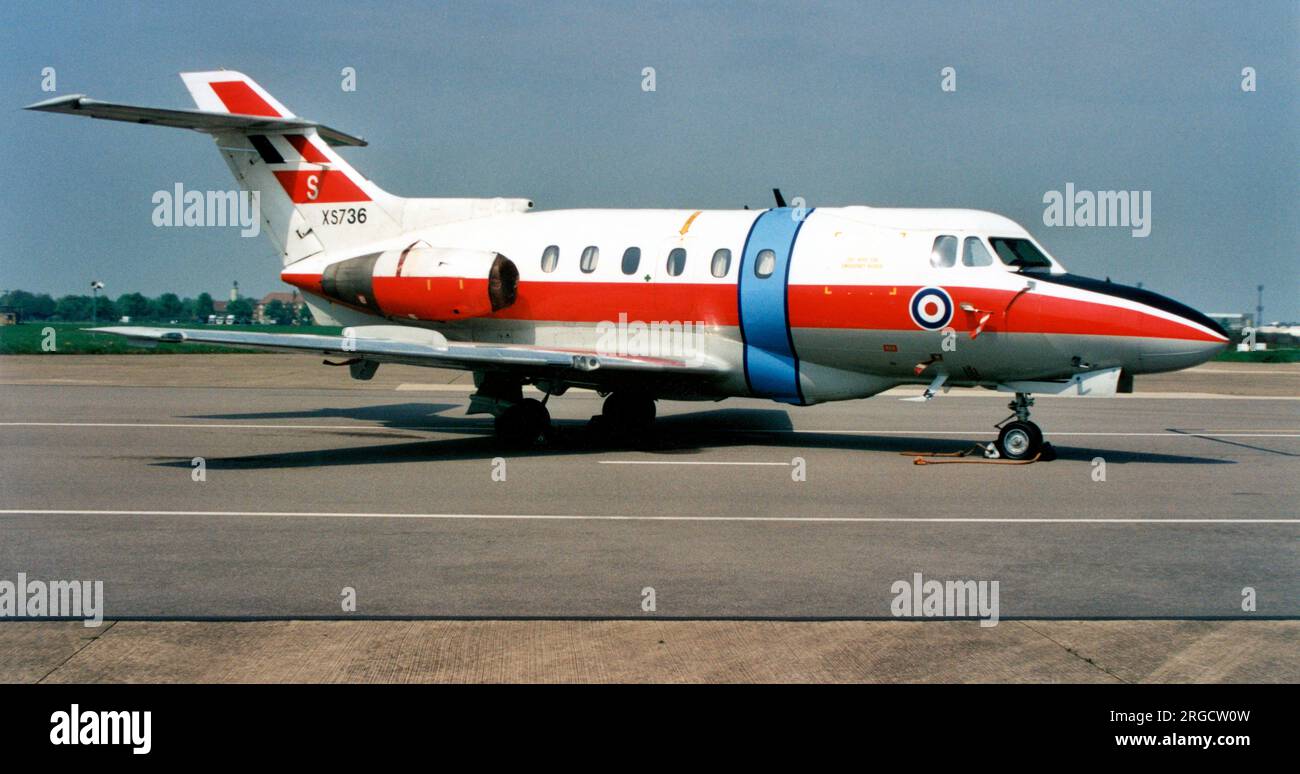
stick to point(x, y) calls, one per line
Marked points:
point(424, 283)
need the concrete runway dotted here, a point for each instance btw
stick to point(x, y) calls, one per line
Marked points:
point(315, 483)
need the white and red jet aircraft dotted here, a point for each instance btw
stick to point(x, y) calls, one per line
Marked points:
point(799, 306)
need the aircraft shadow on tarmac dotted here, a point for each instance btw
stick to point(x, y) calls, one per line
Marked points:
point(676, 434)
point(403, 415)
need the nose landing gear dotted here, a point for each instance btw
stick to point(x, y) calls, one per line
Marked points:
point(1019, 439)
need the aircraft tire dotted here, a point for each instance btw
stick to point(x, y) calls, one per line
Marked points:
point(628, 412)
point(1020, 440)
point(523, 424)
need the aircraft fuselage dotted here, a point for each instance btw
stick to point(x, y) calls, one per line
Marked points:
point(804, 306)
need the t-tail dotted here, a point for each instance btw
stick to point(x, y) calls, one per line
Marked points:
point(310, 199)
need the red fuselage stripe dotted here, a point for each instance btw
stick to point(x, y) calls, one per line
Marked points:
point(849, 307)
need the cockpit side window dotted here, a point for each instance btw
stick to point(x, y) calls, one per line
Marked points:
point(975, 253)
point(1020, 253)
point(944, 252)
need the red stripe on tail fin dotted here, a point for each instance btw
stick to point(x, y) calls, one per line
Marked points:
point(239, 97)
point(307, 149)
point(320, 186)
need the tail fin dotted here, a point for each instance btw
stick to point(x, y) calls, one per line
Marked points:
point(311, 199)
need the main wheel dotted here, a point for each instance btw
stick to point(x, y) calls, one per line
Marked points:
point(521, 425)
point(1020, 440)
point(628, 412)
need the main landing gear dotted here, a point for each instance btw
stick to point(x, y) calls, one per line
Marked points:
point(627, 413)
point(519, 422)
point(1019, 439)
point(523, 424)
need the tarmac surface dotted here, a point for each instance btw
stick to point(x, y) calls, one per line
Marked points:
point(1175, 502)
point(650, 651)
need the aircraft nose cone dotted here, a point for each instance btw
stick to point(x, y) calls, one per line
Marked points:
point(1164, 335)
point(1200, 339)
point(1213, 326)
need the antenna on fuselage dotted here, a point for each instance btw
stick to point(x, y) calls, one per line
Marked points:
point(780, 200)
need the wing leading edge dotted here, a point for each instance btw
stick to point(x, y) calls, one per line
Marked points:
point(421, 347)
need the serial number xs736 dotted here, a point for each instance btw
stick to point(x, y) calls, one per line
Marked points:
point(337, 215)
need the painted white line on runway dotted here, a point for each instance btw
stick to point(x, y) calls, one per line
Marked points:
point(1272, 369)
point(417, 387)
point(1049, 434)
point(410, 387)
point(975, 393)
point(895, 392)
point(742, 430)
point(686, 462)
point(205, 426)
point(579, 517)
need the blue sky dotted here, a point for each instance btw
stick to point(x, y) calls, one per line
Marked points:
point(837, 102)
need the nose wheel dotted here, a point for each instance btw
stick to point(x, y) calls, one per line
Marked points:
point(1020, 439)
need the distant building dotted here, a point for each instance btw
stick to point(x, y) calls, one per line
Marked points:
point(1233, 323)
point(9, 315)
point(1266, 336)
point(1280, 335)
point(219, 316)
point(291, 300)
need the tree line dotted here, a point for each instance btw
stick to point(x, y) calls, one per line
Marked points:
point(166, 308)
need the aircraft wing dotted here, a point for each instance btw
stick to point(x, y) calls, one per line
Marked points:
point(422, 347)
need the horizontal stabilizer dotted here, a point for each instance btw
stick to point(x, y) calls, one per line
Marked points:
point(199, 120)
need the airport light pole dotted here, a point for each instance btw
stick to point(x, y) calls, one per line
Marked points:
point(95, 287)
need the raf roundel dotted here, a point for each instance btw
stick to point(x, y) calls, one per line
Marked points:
point(931, 308)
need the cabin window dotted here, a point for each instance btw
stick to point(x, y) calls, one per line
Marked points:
point(589, 257)
point(1020, 253)
point(944, 252)
point(631, 260)
point(676, 261)
point(721, 263)
point(765, 265)
point(975, 253)
point(550, 257)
